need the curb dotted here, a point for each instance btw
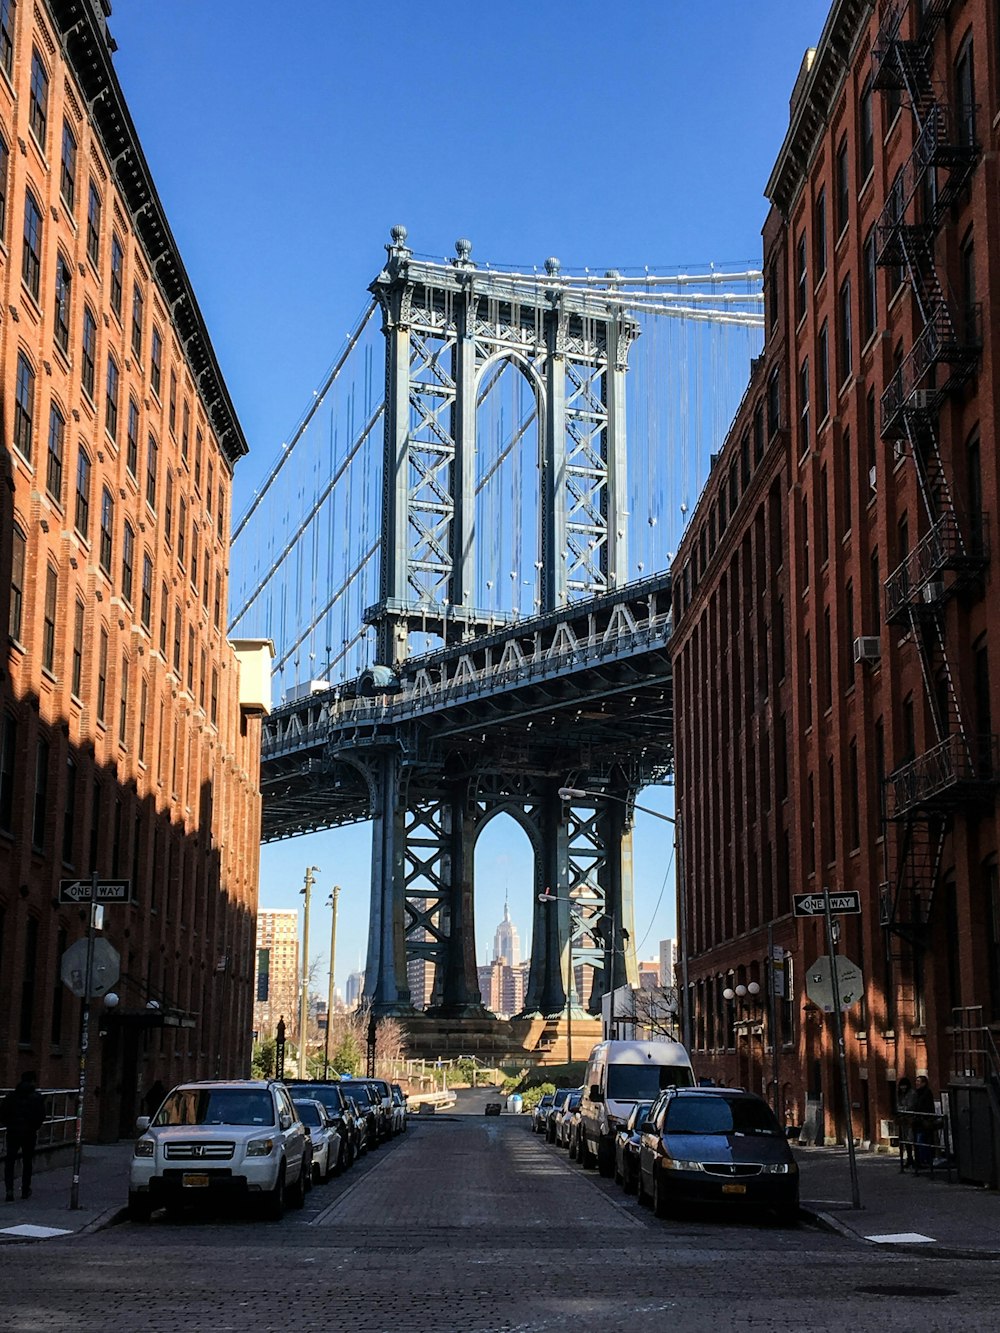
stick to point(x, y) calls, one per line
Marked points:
point(827, 1222)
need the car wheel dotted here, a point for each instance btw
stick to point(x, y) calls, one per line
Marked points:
point(640, 1188)
point(574, 1149)
point(140, 1207)
point(628, 1179)
point(605, 1157)
point(661, 1201)
point(297, 1198)
point(619, 1178)
point(585, 1156)
point(274, 1200)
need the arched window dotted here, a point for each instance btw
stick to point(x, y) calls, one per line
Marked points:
point(17, 575)
point(107, 529)
point(57, 440)
point(31, 255)
point(24, 406)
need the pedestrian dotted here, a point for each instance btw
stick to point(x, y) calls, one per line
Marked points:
point(22, 1114)
point(924, 1109)
point(905, 1105)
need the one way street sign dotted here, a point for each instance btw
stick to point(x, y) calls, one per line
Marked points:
point(107, 891)
point(812, 904)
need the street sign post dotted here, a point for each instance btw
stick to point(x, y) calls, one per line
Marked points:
point(95, 890)
point(838, 1027)
point(819, 982)
point(103, 971)
point(814, 904)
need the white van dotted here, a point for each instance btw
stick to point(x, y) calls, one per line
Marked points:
point(619, 1074)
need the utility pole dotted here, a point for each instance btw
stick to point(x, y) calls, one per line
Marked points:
point(330, 902)
point(306, 890)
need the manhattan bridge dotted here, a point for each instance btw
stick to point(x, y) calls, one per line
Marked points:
point(462, 555)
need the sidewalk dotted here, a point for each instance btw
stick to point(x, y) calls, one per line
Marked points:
point(899, 1209)
point(47, 1214)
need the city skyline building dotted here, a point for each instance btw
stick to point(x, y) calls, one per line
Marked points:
point(507, 940)
point(278, 963)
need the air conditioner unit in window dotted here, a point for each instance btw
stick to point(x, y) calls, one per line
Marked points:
point(933, 591)
point(868, 648)
point(872, 477)
point(920, 400)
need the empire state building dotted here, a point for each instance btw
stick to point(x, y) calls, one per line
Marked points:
point(506, 941)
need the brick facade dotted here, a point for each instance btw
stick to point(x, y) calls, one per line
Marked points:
point(858, 518)
point(124, 746)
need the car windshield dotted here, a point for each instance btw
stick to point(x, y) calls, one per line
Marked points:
point(640, 1112)
point(630, 1083)
point(546, 1099)
point(216, 1106)
point(309, 1114)
point(720, 1115)
point(361, 1095)
point(573, 1101)
point(560, 1097)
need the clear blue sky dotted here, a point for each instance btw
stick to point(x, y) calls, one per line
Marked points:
point(286, 140)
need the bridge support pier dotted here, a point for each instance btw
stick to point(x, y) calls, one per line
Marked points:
point(386, 985)
point(459, 983)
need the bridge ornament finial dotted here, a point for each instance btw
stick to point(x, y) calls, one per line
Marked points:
point(398, 249)
point(463, 253)
point(552, 266)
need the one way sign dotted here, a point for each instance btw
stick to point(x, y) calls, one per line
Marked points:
point(104, 891)
point(812, 904)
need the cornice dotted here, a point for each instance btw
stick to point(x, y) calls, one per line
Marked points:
point(88, 50)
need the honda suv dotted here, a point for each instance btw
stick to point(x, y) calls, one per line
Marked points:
point(212, 1139)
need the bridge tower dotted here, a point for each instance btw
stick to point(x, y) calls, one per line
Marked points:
point(447, 327)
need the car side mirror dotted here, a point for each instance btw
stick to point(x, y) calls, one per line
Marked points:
point(308, 1130)
point(596, 1095)
point(284, 1120)
point(647, 1127)
point(142, 1124)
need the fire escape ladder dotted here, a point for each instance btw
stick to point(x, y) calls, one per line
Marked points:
point(907, 901)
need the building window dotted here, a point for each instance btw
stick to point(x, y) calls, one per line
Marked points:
point(94, 225)
point(82, 516)
point(875, 586)
point(7, 36)
point(210, 483)
point(29, 978)
point(967, 294)
point(819, 234)
point(773, 420)
point(168, 508)
point(190, 660)
point(87, 370)
point(155, 360)
point(823, 373)
point(146, 605)
point(111, 400)
point(128, 558)
point(172, 404)
point(31, 255)
point(117, 271)
point(137, 304)
point(847, 482)
point(185, 430)
point(178, 630)
point(207, 566)
point(24, 407)
point(181, 532)
point(77, 671)
point(807, 702)
point(41, 795)
point(823, 518)
point(102, 675)
point(202, 674)
point(67, 167)
point(869, 302)
point(64, 285)
point(152, 463)
point(810, 829)
point(132, 437)
point(214, 714)
point(123, 704)
point(17, 573)
point(801, 279)
point(843, 185)
point(143, 708)
point(804, 406)
point(220, 516)
point(965, 96)
point(198, 440)
point(866, 156)
point(194, 555)
point(4, 169)
point(164, 612)
point(49, 618)
point(844, 332)
point(38, 103)
point(773, 296)
point(217, 606)
point(57, 438)
point(107, 529)
point(8, 756)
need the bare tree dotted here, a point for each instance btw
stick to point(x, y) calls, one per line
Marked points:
point(637, 1014)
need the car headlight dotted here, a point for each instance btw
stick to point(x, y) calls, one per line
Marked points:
point(681, 1164)
point(145, 1148)
point(780, 1168)
point(260, 1147)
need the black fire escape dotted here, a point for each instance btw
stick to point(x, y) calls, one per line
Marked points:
point(961, 768)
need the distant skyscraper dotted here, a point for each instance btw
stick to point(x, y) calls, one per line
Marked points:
point(277, 988)
point(507, 941)
point(355, 989)
point(668, 961)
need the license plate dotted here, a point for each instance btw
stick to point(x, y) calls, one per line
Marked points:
point(734, 1189)
point(192, 1180)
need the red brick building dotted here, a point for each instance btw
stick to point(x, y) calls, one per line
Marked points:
point(123, 744)
point(835, 602)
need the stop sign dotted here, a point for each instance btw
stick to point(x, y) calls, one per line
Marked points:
point(104, 972)
point(819, 983)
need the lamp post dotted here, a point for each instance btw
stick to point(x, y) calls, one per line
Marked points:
point(304, 997)
point(581, 793)
point(330, 902)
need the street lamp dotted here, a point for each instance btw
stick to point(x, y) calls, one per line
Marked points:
point(304, 997)
point(581, 794)
point(330, 902)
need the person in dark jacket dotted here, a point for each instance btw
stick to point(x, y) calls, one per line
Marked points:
point(22, 1114)
point(923, 1106)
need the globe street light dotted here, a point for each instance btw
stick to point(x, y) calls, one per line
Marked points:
point(582, 794)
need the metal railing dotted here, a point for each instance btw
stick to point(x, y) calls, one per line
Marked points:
point(953, 770)
point(943, 547)
point(60, 1118)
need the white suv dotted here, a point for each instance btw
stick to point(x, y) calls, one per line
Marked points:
point(209, 1138)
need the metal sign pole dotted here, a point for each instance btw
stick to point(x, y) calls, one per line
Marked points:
point(838, 1019)
point(74, 1191)
point(773, 1019)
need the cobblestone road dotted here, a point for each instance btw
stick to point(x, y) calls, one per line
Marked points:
point(477, 1225)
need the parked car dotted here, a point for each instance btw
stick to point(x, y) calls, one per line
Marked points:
point(716, 1145)
point(570, 1124)
point(361, 1125)
point(400, 1110)
point(540, 1113)
point(217, 1139)
point(553, 1113)
point(369, 1106)
point(627, 1147)
point(323, 1137)
point(619, 1074)
point(383, 1094)
point(341, 1113)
